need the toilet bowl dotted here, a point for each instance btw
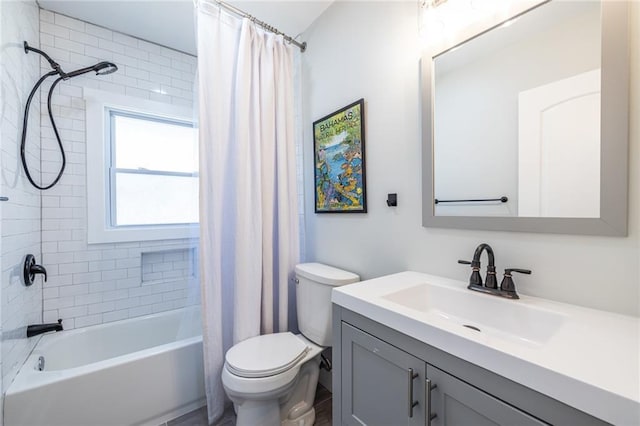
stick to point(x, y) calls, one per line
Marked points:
point(260, 389)
point(272, 379)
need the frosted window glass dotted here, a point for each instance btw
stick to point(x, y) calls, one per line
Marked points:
point(154, 144)
point(144, 199)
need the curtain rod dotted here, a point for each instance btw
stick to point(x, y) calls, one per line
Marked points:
point(242, 13)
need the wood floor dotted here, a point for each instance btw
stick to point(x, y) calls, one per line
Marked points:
point(322, 405)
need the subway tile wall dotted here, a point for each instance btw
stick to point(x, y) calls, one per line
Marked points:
point(20, 215)
point(169, 264)
point(97, 283)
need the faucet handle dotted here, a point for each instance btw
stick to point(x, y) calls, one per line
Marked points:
point(475, 279)
point(521, 271)
point(30, 269)
point(474, 263)
point(507, 285)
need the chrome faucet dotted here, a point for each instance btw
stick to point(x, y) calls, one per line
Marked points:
point(507, 287)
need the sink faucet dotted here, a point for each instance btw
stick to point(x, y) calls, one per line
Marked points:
point(475, 279)
point(35, 329)
point(507, 287)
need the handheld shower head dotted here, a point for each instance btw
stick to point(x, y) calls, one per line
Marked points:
point(104, 68)
point(101, 68)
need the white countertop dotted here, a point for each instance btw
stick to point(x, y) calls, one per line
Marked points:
point(592, 362)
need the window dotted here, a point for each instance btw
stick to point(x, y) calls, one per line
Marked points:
point(153, 172)
point(142, 169)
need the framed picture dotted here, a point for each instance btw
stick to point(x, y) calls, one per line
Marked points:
point(338, 147)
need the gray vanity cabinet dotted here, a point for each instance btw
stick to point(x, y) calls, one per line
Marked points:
point(380, 378)
point(383, 386)
point(456, 403)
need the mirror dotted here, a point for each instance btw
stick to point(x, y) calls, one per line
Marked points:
point(525, 124)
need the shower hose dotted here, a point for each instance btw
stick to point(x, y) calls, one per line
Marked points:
point(25, 124)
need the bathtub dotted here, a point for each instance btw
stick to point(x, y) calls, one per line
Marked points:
point(140, 371)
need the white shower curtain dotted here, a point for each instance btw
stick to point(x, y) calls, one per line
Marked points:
point(249, 241)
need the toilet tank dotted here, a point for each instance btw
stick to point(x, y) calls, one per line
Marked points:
point(314, 282)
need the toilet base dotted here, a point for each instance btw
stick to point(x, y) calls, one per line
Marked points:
point(291, 405)
point(307, 419)
point(267, 412)
point(269, 415)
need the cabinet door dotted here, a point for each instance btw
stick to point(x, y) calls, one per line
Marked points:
point(456, 403)
point(381, 385)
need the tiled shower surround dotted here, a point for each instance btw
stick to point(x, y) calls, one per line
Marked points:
point(97, 283)
point(21, 213)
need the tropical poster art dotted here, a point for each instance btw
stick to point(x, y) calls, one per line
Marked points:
point(339, 161)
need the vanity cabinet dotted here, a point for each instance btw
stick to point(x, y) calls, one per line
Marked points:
point(381, 382)
point(382, 377)
point(454, 402)
point(384, 385)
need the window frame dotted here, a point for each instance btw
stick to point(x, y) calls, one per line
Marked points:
point(100, 180)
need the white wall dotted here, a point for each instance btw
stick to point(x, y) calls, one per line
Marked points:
point(20, 305)
point(96, 283)
point(371, 50)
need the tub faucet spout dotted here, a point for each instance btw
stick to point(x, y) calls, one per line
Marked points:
point(35, 329)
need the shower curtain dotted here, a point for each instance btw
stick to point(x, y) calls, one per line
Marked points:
point(249, 241)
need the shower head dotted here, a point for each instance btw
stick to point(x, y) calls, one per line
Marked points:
point(101, 68)
point(104, 68)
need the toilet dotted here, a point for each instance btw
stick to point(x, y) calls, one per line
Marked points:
point(272, 379)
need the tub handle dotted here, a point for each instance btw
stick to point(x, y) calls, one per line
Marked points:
point(30, 270)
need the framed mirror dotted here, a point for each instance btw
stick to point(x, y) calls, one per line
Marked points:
point(525, 123)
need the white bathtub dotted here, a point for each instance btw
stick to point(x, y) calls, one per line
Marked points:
point(140, 371)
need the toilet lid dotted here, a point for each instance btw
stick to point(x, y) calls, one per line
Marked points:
point(266, 355)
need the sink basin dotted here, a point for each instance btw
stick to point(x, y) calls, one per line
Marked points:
point(486, 314)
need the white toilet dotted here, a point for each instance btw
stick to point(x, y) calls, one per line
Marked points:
point(272, 379)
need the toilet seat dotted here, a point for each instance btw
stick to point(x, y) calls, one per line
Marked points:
point(267, 355)
point(254, 386)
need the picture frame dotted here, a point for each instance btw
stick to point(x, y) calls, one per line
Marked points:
point(339, 161)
